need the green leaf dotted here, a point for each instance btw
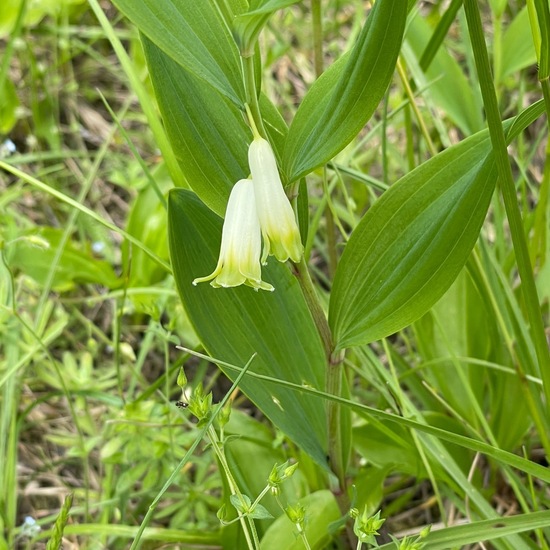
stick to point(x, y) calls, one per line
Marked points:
point(343, 99)
point(260, 512)
point(411, 244)
point(241, 506)
point(386, 445)
point(195, 36)
point(208, 134)
point(235, 323)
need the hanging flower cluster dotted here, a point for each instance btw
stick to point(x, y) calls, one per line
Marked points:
point(257, 208)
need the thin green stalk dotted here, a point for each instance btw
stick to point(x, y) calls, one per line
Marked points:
point(334, 373)
point(251, 538)
point(543, 55)
point(330, 228)
point(9, 436)
point(384, 138)
point(333, 386)
point(312, 301)
point(410, 138)
point(509, 193)
point(410, 95)
point(251, 95)
point(535, 31)
point(540, 234)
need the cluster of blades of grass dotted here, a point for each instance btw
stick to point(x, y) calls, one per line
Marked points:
point(104, 443)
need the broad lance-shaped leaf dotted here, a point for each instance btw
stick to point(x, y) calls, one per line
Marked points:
point(234, 323)
point(195, 35)
point(208, 133)
point(410, 246)
point(343, 98)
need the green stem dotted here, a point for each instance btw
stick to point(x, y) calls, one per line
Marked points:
point(333, 385)
point(509, 193)
point(334, 373)
point(304, 539)
point(419, 119)
point(251, 95)
point(312, 301)
point(331, 230)
point(253, 541)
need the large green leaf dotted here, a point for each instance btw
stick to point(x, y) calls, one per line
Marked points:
point(209, 134)
point(193, 34)
point(343, 99)
point(411, 244)
point(235, 323)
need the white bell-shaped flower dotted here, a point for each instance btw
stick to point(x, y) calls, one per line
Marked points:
point(277, 221)
point(240, 250)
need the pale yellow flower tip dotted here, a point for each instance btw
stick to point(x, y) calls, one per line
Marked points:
point(239, 261)
point(277, 221)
